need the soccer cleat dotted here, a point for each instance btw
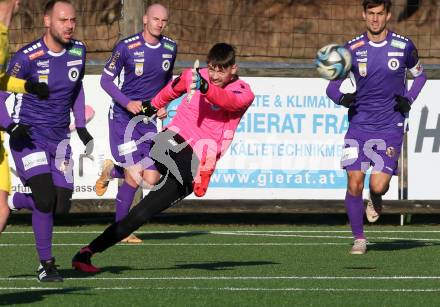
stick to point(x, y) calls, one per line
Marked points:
point(132, 239)
point(82, 261)
point(103, 180)
point(47, 271)
point(373, 209)
point(359, 247)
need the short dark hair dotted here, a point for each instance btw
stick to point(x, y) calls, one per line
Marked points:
point(221, 55)
point(50, 4)
point(368, 4)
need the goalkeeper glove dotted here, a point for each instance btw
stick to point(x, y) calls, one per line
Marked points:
point(41, 90)
point(86, 139)
point(19, 131)
point(148, 109)
point(403, 104)
point(347, 99)
point(198, 82)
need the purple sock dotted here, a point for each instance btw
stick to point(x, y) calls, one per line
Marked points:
point(117, 172)
point(42, 223)
point(23, 201)
point(124, 198)
point(355, 211)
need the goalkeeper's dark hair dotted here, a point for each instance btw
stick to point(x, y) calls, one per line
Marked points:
point(368, 4)
point(221, 55)
point(48, 8)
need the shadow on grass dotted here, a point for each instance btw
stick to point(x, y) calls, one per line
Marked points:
point(400, 245)
point(216, 265)
point(117, 270)
point(34, 296)
point(171, 235)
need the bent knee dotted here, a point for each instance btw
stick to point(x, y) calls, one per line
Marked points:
point(379, 189)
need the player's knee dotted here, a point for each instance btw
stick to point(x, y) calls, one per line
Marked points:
point(64, 201)
point(355, 188)
point(45, 202)
point(379, 188)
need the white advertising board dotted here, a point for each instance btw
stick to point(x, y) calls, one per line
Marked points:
point(287, 146)
point(424, 144)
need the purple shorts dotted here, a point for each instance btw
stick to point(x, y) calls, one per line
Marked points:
point(42, 156)
point(365, 149)
point(131, 141)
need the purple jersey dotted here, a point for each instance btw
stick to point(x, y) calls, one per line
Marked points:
point(63, 72)
point(379, 72)
point(142, 69)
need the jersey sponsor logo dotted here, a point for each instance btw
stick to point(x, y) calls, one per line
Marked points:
point(417, 70)
point(362, 69)
point(73, 74)
point(349, 153)
point(76, 52)
point(168, 46)
point(134, 45)
point(34, 159)
point(362, 53)
point(138, 54)
point(393, 64)
point(139, 60)
point(363, 60)
point(15, 69)
point(113, 60)
point(35, 55)
point(74, 63)
point(127, 148)
point(43, 64)
point(357, 45)
point(396, 54)
point(398, 44)
point(43, 72)
point(43, 79)
point(167, 56)
point(139, 69)
point(166, 65)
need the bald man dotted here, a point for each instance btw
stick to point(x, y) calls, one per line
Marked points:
point(143, 64)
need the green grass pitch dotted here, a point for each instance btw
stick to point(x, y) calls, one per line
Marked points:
point(221, 265)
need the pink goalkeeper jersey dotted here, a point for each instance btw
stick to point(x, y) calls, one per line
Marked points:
point(207, 120)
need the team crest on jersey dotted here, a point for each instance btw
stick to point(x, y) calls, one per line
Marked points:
point(35, 55)
point(362, 69)
point(166, 65)
point(393, 64)
point(73, 74)
point(139, 69)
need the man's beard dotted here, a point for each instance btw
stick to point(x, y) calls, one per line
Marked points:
point(59, 40)
point(376, 32)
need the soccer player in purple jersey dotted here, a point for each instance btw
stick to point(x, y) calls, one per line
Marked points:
point(42, 154)
point(377, 112)
point(8, 8)
point(143, 64)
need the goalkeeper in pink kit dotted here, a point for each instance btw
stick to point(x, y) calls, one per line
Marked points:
point(187, 150)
